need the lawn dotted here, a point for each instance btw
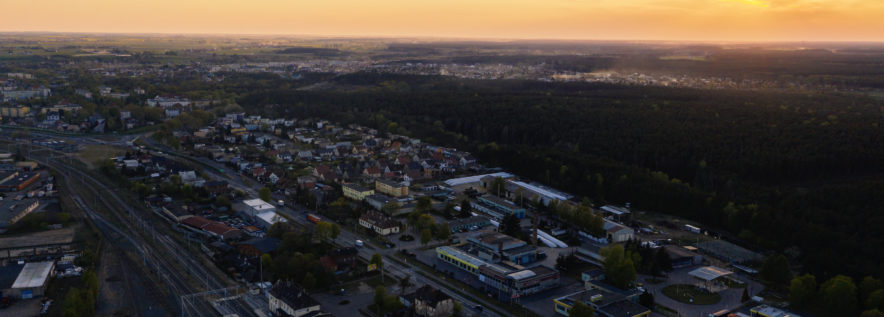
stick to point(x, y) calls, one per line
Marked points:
point(690, 294)
point(367, 284)
point(94, 152)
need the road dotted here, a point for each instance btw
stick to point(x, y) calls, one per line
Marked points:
point(235, 180)
point(347, 237)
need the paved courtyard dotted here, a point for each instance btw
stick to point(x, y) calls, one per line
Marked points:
point(730, 298)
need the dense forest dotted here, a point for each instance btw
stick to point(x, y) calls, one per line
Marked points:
point(777, 170)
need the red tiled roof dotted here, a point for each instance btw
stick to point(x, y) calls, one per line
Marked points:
point(196, 221)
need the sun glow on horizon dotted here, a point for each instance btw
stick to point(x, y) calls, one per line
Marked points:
point(755, 3)
point(691, 20)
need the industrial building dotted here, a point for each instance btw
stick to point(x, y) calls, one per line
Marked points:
point(496, 247)
point(507, 282)
point(11, 211)
point(212, 228)
point(17, 181)
point(497, 207)
point(621, 214)
point(616, 233)
point(768, 311)
point(467, 224)
point(253, 207)
point(682, 257)
point(510, 284)
point(607, 302)
point(534, 191)
point(30, 279)
point(266, 219)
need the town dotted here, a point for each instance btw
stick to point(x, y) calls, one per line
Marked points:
point(288, 207)
point(147, 188)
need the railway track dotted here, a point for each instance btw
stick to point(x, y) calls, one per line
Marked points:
point(170, 263)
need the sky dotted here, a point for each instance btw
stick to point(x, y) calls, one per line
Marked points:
point(671, 20)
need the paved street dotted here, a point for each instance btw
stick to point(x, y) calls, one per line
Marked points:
point(348, 238)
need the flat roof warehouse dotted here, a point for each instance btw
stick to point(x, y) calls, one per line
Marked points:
point(33, 275)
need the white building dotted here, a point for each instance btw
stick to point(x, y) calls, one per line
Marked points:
point(266, 219)
point(167, 101)
point(256, 206)
point(616, 233)
point(32, 280)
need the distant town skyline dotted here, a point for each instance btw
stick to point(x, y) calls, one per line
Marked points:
point(672, 20)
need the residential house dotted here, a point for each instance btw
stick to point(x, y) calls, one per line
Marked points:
point(379, 223)
point(287, 299)
point(431, 302)
point(215, 188)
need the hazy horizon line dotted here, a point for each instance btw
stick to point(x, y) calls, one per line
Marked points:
point(449, 38)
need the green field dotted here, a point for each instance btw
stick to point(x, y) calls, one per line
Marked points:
point(690, 294)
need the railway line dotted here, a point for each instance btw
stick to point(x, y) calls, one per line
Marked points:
point(161, 254)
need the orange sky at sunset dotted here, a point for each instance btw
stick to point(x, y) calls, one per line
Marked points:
point(715, 20)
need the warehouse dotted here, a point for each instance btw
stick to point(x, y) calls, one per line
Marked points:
point(505, 281)
point(605, 302)
point(30, 281)
point(11, 211)
point(19, 181)
point(474, 181)
point(254, 207)
point(495, 247)
point(497, 207)
point(682, 257)
point(617, 233)
point(509, 284)
point(468, 224)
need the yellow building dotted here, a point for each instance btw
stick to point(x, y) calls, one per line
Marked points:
point(15, 112)
point(390, 188)
point(238, 131)
point(356, 192)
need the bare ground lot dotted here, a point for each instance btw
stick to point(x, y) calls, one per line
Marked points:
point(65, 235)
point(94, 152)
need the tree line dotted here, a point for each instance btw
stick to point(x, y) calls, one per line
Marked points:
point(749, 163)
